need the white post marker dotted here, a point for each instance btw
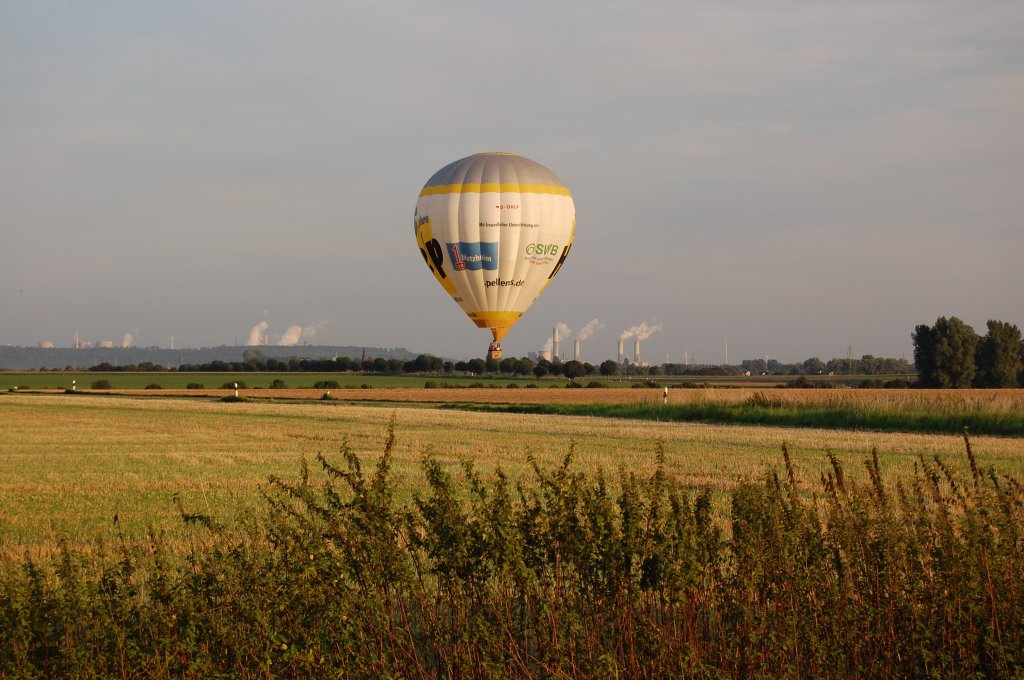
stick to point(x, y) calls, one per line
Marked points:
point(664, 395)
point(73, 385)
point(236, 390)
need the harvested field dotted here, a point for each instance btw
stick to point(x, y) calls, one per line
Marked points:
point(70, 463)
point(997, 400)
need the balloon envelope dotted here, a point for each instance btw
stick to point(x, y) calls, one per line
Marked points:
point(494, 228)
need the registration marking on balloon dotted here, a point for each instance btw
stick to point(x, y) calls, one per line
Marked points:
point(495, 229)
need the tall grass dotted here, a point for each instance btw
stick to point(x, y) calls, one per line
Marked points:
point(553, 575)
point(948, 416)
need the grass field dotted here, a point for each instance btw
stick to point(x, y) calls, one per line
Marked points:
point(141, 537)
point(54, 380)
point(70, 463)
point(61, 380)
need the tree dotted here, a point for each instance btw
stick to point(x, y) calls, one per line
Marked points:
point(608, 367)
point(944, 353)
point(573, 369)
point(999, 356)
point(525, 366)
point(814, 366)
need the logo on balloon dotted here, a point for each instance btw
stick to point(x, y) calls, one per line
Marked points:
point(473, 256)
point(542, 249)
point(541, 253)
point(504, 283)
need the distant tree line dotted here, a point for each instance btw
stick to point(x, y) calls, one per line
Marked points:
point(865, 365)
point(947, 354)
point(951, 354)
point(422, 364)
point(523, 366)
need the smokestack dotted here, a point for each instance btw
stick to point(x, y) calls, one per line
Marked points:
point(622, 351)
point(636, 351)
point(576, 354)
point(554, 343)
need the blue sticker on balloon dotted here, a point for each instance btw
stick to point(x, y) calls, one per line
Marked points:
point(473, 256)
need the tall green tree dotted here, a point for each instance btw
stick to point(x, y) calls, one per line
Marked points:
point(573, 369)
point(999, 356)
point(944, 353)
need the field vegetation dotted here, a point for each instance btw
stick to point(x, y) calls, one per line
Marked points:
point(565, 570)
point(998, 414)
point(296, 536)
point(70, 463)
point(126, 380)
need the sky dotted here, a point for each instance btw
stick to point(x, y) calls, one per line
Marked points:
point(794, 179)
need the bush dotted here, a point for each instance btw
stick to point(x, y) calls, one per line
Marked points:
point(232, 399)
point(195, 386)
point(763, 400)
point(153, 386)
point(512, 386)
point(573, 384)
point(231, 385)
point(278, 384)
point(327, 385)
point(102, 385)
point(595, 384)
point(366, 386)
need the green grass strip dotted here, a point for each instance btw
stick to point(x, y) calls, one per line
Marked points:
point(982, 422)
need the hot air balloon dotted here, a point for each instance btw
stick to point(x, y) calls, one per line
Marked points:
point(494, 228)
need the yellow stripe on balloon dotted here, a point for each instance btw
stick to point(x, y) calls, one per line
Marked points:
point(494, 187)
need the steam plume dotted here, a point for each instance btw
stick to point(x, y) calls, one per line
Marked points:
point(647, 331)
point(641, 332)
point(564, 332)
point(256, 334)
point(291, 336)
point(127, 340)
point(589, 329)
